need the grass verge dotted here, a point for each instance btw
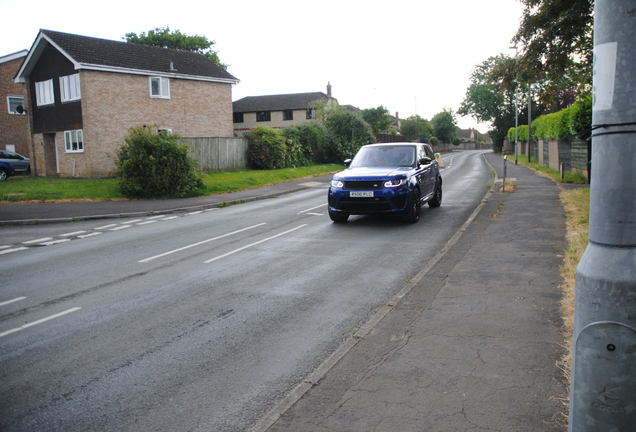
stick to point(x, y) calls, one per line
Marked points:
point(37, 189)
point(546, 171)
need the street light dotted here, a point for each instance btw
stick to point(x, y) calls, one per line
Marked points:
point(516, 106)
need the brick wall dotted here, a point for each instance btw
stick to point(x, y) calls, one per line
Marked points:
point(13, 128)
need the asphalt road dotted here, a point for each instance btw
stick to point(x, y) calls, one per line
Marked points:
point(200, 322)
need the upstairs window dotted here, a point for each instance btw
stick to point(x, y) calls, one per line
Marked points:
point(288, 115)
point(44, 93)
point(311, 114)
point(263, 116)
point(70, 88)
point(74, 141)
point(238, 117)
point(160, 87)
point(13, 102)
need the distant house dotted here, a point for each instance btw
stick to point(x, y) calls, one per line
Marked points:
point(83, 94)
point(14, 134)
point(276, 111)
point(471, 135)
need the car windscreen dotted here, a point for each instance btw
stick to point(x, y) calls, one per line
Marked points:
point(384, 156)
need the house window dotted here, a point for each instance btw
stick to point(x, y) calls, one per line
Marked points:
point(74, 141)
point(288, 115)
point(311, 113)
point(44, 93)
point(13, 102)
point(238, 117)
point(165, 130)
point(160, 87)
point(70, 88)
point(263, 116)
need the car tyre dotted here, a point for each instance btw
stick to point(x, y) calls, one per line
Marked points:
point(3, 175)
point(415, 206)
point(338, 217)
point(437, 199)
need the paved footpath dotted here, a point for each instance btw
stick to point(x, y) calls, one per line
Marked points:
point(473, 345)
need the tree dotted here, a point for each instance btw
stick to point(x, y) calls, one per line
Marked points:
point(164, 38)
point(416, 128)
point(445, 126)
point(378, 118)
point(323, 109)
point(346, 133)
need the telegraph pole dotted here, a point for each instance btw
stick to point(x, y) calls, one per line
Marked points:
point(603, 386)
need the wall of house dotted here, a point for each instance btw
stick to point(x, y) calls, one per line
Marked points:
point(13, 128)
point(277, 122)
point(112, 103)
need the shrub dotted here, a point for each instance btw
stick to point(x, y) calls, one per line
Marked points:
point(581, 116)
point(346, 133)
point(154, 164)
point(266, 149)
point(304, 144)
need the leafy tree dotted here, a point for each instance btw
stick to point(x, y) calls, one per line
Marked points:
point(154, 164)
point(416, 128)
point(445, 126)
point(346, 133)
point(322, 109)
point(379, 119)
point(163, 37)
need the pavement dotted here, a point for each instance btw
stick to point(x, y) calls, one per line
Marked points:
point(472, 343)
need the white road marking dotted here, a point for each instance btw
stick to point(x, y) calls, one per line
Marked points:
point(147, 222)
point(38, 240)
point(200, 243)
point(90, 235)
point(106, 226)
point(121, 227)
point(253, 244)
point(8, 332)
point(316, 214)
point(313, 208)
point(12, 301)
point(170, 218)
point(5, 247)
point(155, 217)
point(195, 213)
point(6, 251)
point(133, 221)
point(72, 234)
point(51, 243)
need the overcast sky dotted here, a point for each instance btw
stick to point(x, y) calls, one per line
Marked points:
point(411, 56)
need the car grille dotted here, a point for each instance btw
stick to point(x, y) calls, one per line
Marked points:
point(364, 205)
point(364, 184)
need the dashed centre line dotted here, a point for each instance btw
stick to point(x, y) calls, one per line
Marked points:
point(8, 332)
point(12, 301)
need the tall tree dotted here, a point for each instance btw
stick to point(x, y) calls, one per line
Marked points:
point(378, 118)
point(445, 126)
point(163, 37)
point(416, 128)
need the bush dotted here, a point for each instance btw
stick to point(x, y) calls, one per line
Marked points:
point(154, 164)
point(304, 144)
point(266, 149)
point(581, 116)
point(346, 133)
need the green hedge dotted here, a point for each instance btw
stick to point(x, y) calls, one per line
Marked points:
point(559, 125)
point(266, 148)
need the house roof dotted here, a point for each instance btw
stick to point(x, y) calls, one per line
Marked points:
point(16, 55)
point(295, 101)
point(122, 57)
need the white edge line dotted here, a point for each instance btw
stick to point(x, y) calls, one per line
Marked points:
point(12, 301)
point(309, 209)
point(72, 234)
point(200, 243)
point(8, 332)
point(253, 244)
point(6, 251)
point(38, 240)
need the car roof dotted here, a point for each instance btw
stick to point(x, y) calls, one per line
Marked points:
point(395, 144)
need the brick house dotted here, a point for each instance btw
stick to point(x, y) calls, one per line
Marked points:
point(84, 93)
point(275, 111)
point(14, 134)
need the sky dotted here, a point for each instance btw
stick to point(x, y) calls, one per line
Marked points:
point(411, 57)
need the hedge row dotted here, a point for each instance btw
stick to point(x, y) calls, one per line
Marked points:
point(576, 119)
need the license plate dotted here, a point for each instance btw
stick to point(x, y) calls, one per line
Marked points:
point(361, 194)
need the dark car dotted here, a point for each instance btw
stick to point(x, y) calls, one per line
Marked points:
point(390, 179)
point(17, 161)
point(6, 171)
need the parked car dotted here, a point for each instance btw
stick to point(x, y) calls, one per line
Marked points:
point(390, 179)
point(17, 161)
point(6, 171)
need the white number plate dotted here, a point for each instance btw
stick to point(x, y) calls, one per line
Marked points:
point(361, 194)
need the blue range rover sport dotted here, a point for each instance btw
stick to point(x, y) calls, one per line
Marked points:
point(392, 179)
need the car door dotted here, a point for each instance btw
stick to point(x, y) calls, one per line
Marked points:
point(427, 174)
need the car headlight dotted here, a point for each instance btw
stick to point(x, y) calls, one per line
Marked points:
point(394, 183)
point(337, 183)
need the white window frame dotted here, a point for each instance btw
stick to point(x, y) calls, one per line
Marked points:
point(70, 88)
point(164, 87)
point(68, 141)
point(44, 93)
point(167, 130)
point(14, 112)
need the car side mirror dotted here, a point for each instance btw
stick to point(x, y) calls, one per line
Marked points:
point(347, 162)
point(425, 161)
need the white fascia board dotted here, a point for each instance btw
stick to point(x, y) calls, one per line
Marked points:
point(17, 55)
point(34, 54)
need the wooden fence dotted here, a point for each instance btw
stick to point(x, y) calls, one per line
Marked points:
point(218, 154)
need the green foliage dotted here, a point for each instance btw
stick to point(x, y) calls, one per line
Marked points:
point(415, 128)
point(164, 38)
point(267, 148)
point(445, 126)
point(378, 118)
point(305, 142)
point(154, 164)
point(581, 116)
point(346, 133)
point(322, 109)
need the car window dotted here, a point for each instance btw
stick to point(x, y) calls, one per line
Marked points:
point(384, 156)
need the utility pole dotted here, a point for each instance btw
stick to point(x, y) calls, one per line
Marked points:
point(603, 385)
point(529, 122)
point(516, 104)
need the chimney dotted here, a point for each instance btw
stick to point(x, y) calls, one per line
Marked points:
point(329, 89)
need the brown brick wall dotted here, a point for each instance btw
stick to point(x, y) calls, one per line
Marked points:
point(13, 128)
